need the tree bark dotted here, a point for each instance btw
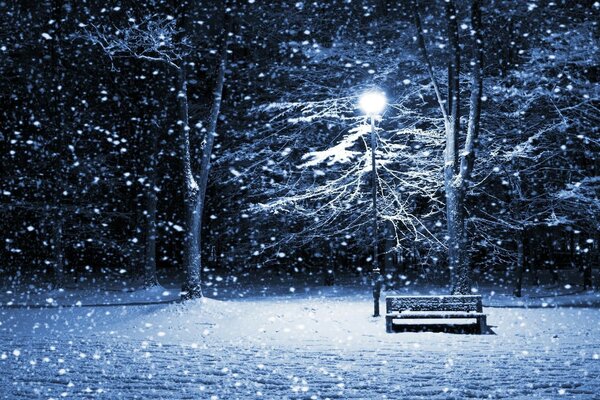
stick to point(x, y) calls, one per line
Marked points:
point(453, 130)
point(456, 178)
point(58, 277)
point(389, 264)
point(211, 133)
point(586, 264)
point(329, 275)
point(150, 277)
point(520, 263)
point(472, 139)
point(454, 192)
point(191, 248)
point(196, 184)
point(457, 240)
point(463, 280)
point(56, 106)
point(587, 277)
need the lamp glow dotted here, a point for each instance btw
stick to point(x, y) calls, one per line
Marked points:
point(372, 102)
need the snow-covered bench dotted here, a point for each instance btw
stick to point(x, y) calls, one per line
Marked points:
point(434, 307)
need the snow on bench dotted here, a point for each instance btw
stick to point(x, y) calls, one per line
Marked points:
point(434, 307)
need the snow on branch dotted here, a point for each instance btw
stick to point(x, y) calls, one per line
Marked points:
point(339, 153)
point(340, 108)
point(332, 184)
point(154, 38)
point(585, 191)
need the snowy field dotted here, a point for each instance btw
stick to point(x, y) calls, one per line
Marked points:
point(319, 346)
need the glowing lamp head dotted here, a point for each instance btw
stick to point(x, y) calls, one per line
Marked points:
point(372, 102)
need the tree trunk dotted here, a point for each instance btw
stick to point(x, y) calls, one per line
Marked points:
point(210, 137)
point(456, 177)
point(520, 264)
point(196, 184)
point(586, 261)
point(57, 251)
point(553, 264)
point(191, 249)
point(329, 273)
point(587, 277)
point(457, 262)
point(453, 125)
point(454, 193)
point(389, 261)
point(56, 107)
point(150, 278)
point(536, 271)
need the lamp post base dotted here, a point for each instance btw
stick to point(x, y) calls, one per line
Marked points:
point(376, 291)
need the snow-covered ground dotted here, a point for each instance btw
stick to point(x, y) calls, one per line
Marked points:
point(19, 298)
point(319, 343)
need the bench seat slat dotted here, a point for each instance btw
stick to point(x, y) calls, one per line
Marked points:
point(437, 315)
point(434, 303)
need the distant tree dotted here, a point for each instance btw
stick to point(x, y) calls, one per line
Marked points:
point(539, 165)
point(153, 39)
point(169, 42)
point(52, 201)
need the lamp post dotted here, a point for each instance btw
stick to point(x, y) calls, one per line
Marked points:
point(373, 103)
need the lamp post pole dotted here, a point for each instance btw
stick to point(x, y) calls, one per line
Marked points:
point(376, 270)
point(372, 103)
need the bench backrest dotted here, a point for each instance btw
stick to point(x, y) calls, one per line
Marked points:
point(433, 303)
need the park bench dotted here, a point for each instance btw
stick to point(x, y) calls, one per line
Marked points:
point(434, 307)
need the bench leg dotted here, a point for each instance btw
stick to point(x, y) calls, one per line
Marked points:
point(388, 325)
point(482, 321)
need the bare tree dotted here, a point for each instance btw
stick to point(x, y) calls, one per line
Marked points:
point(167, 41)
point(154, 38)
point(458, 166)
point(196, 179)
